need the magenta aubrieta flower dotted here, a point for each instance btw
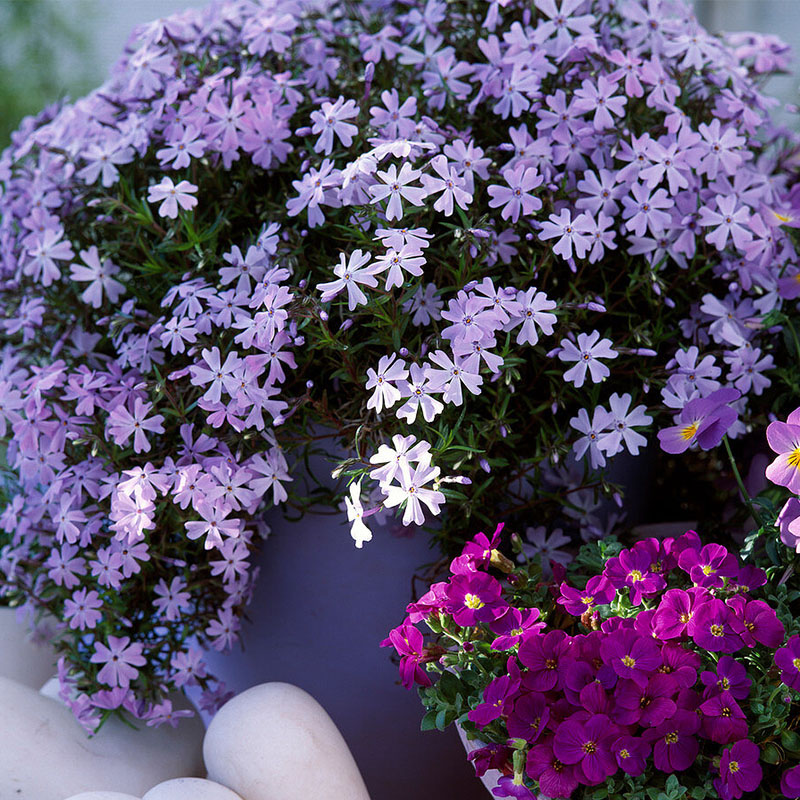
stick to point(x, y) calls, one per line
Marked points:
point(675, 612)
point(632, 568)
point(710, 566)
point(630, 655)
point(790, 782)
point(409, 644)
point(730, 676)
point(598, 592)
point(787, 659)
point(515, 625)
point(544, 655)
point(645, 703)
point(474, 598)
point(674, 744)
point(497, 698)
point(529, 716)
point(631, 754)
point(723, 718)
point(739, 771)
point(555, 777)
point(715, 627)
point(588, 745)
point(703, 420)
point(759, 622)
point(784, 439)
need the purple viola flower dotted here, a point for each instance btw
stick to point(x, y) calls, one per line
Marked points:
point(710, 566)
point(475, 598)
point(714, 627)
point(544, 656)
point(731, 676)
point(496, 697)
point(646, 704)
point(784, 439)
point(760, 622)
point(790, 782)
point(515, 625)
point(704, 421)
point(631, 655)
point(577, 602)
point(674, 745)
point(631, 568)
point(588, 745)
point(509, 787)
point(631, 754)
point(787, 659)
point(529, 717)
point(556, 779)
point(739, 771)
point(789, 524)
point(723, 719)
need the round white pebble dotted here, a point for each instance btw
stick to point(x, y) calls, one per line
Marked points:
point(190, 789)
point(103, 796)
point(275, 742)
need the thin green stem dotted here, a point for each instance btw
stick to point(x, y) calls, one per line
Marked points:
point(748, 502)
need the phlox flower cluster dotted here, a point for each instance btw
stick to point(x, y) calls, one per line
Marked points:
point(668, 661)
point(471, 255)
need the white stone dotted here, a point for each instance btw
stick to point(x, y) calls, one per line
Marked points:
point(21, 659)
point(46, 754)
point(103, 796)
point(190, 789)
point(275, 742)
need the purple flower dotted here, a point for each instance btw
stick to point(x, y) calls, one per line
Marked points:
point(598, 592)
point(571, 233)
point(556, 779)
point(475, 598)
point(508, 787)
point(409, 644)
point(760, 623)
point(631, 754)
point(122, 424)
point(119, 659)
point(544, 655)
point(789, 524)
point(497, 696)
point(703, 420)
point(714, 627)
point(589, 349)
point(172, 195)
point(731, 676)
point(515, 625)
point(631, 568)
point(674, 612)
point(784, 439)
point(329, 121)
point(396, 187)
point(529, 717)
point(790, 782)
point(674, 745)
point(631, 655)
point(516, 197)
point(723, 719)
point(645, 703)
point(710, 566)
point(787, 659)
point(729, 221)
point(588, 745)
point(739, 770)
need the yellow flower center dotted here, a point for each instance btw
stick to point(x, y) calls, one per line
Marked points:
point(473, 601)
point(796, 664)
point(733, 766)
point(628, 661)
point(688, 431)
point(588, 600)
point(708, 570)
point(635, 575)
point(716, 630)
point(671, 738)
point(794, 458)
point(624, 753)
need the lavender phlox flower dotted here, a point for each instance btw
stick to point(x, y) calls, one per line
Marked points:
point(601, 191)
point(329, 122)
point(645, 210)
point(563, 23)
point(419, 390)
point(594, 433)
point(413, 492)
point(532, 311)
point(394, 119)
point(721, 149)
point(171, 598)
point(450, 376)
point(623, 418)
point(171, 195)
point(516, 197)
point(472, 317)
point(389, 372)
point(538, 543)
point(120, 659)
point(571, 233)
point(216, 373)
point(729, 221)
point(424, 304)
point(469, 160)
point(100, 277)
point(589, 349)
point(355, 515)
point(271, 471)
point(102, 157)
point(703, 420)
point(601, 98)
point(399, 458)
point(122, 424)
point(699, 374)
point(242, 268)
point(747, 366)
point(314, 190)
point(396, 187)
point(350, 273)
point(452, 187)
point(214, 525)
point(408, 259)
point(43, 252)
